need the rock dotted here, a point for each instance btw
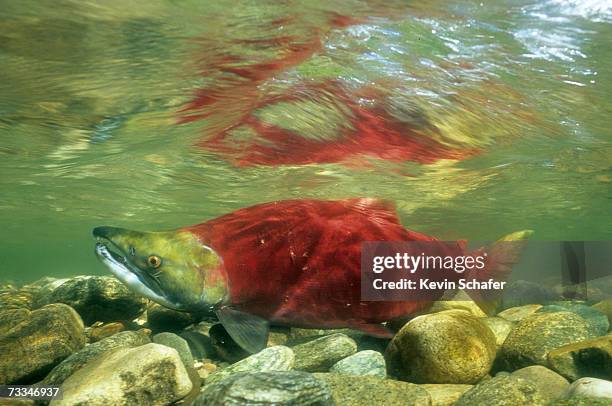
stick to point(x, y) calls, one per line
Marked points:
point(151, 374)
point(500, 328)
point(278, 337)
point(580, 401)
point(99, 330)
point(277, 358)
point(302, 335)
point(178, 343)
point(11, 317)
point(521, 292)
point(362, 363)
point(12, 297)
point(520, 312)
point(605, 306)
point(97, 298)
point(36, 343)
point(77, 360)
point(535, 336)
point(467, 305)
point(590, 388)
point(371, 390)
point(551, 384)
point(199, 344)
point(445, 394)
point(322, 353)
point(161, 319)
point(446, 347)
point(592, 358)
point(292, 388)
point(598, 321)
point(503, 390)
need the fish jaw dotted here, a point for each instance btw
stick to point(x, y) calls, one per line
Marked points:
point(172, 268)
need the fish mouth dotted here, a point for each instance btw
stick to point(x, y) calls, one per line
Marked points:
point(131, 275)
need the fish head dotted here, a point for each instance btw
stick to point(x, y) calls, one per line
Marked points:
point(172, 268)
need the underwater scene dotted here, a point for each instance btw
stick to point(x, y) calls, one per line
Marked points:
point(348, 202)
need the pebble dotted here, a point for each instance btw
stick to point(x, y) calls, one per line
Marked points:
point(279, 358)
point(151, 374)
point(178, 343)
point(452, 346)
point(290, 388)
point(77, 360)
point(320, 354)
point(535, 336)
point(362, 363)
point(551, 384)
point(503, 390)
point(520, 312)
point(32, 343)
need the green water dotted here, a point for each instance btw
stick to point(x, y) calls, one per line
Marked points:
point(91, 93)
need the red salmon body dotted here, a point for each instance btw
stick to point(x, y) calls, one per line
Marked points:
point(297, 262)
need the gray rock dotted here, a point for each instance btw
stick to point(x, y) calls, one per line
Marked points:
point(520, 312)
point(320, 354)
point(500, 328)
point(178, 343)
point(590, 388)
point(503, 390)
point(445, 394)
point(290, 388)
point(151, 374)
point(521, 292)
point(535, 336)
point(160, 318)
point(371, 390)
point(597, 320)
point(77, 360)
point(551, 384)
point(97, 298)
point(452, 346)
point(592, 358)
point(37, 341)
point(277, 358)
point(362, 363)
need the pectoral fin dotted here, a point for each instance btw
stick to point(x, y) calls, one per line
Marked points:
point(248, 331)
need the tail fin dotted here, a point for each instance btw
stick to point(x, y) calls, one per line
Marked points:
point(501, 256)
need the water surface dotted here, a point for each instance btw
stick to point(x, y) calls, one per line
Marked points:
point(102, 119)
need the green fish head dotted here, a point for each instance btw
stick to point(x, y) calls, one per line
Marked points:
point(172, 268)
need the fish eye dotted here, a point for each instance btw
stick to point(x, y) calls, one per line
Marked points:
point(154, 261)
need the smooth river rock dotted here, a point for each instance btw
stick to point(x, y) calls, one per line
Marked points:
point(551, 384)
point(500, 328)
point(445, 394)
point(535, 336)
point(77, 360)
point(151, 374)
point(503, 390)
point(289, 388)
point(597, 320)
point(370, 390)
point(320, 354)
point(592, 358)
point(178, 343)
point(97, 298)
point(32, 343)
point(362, 363)
point(452, 346)
point(278, 358)
point(520, 312)
point(590, 388)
